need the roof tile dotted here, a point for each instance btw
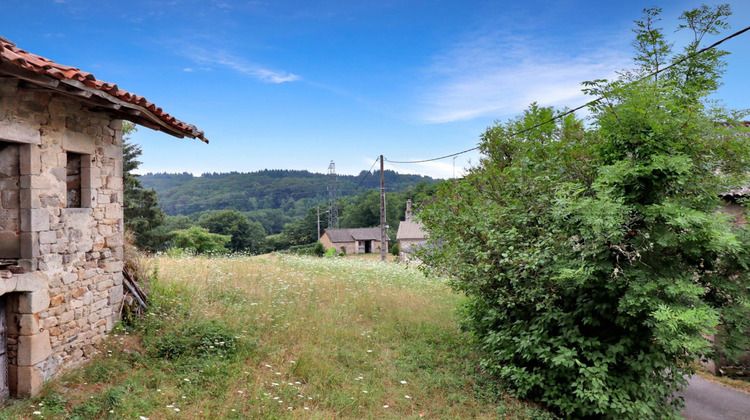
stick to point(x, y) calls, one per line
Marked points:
point(409, 229)
point(25, 60)
point(356, 234)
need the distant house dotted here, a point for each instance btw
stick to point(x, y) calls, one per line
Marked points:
point(61, 213)
point(732, 204)
point(411, 236)
point(353, 241)
point(735, 207)
point(734, 201)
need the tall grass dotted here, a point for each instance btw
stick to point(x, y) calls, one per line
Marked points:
point(284, 337)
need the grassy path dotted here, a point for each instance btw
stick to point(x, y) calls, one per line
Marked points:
point(283, 337)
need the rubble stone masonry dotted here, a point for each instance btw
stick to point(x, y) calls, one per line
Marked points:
point(63, 286)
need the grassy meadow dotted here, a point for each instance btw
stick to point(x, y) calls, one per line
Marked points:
point(281, 336)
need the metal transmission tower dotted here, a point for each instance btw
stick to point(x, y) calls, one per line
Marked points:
point(333, 202)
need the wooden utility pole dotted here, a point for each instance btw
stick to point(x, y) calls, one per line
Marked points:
point(383, 236)
point(327, 211)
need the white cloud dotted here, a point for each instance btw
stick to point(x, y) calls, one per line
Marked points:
point(238, 64)
point(497, 74)
point(445, 168)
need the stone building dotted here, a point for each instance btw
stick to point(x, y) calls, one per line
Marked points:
point(353, 241)
point(411, 236)
point(61, 216)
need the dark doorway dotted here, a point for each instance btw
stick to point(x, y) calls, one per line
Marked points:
point(368, 247)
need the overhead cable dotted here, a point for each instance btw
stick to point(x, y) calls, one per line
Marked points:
point(568, 112)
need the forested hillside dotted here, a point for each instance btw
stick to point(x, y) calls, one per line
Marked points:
point(289, 190)
point(274, 209)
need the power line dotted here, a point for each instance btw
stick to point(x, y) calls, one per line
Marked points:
point(369, 172)
point(566, 113)
point(391, 163)
point(437, 158)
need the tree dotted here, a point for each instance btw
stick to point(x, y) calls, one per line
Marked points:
point(363, 211)
point(594, 259)
point(200, 240)
point(140, 206)
point(304, 230)
point(165, 231)
point(245, 235)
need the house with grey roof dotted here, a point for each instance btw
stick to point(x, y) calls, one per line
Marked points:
point(353, 241)
point(411, 236)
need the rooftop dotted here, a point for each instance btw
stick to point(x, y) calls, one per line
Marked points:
point(99, 95)
point(355, 234)
point(410, 229)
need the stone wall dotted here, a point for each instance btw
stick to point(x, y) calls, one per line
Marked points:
point(349, 248)
point(10, 216)
point(64, 292)
point(407, 247)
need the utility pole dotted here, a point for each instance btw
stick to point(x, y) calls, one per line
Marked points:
point(383, 236)
point(333, 197)
point(319, 220)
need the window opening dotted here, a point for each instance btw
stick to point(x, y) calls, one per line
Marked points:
point(73, 190)
point(10, 216)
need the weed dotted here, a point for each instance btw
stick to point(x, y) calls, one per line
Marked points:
point(284, 337)
point(104, 370)
point(87, 410)
point(193, 340)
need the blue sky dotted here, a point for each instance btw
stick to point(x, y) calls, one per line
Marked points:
point(284, 84)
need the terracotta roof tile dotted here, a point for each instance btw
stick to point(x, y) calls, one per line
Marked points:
point(27, 61)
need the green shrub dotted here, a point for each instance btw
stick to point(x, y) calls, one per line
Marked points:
point(200, 240)
point(395, 249)
point(308, 249)
point(331, 253)
point(193, 340)
point(319, 249)
point(593, 257)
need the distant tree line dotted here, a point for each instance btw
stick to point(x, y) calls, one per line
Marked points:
point(255, 212)
point(289, 192)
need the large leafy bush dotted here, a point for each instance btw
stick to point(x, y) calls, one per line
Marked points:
point(594, 258)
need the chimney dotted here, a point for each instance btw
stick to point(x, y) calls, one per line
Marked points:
point(408, 210)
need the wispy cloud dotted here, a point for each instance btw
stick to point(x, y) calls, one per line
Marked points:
point(223, 5)
point(497, 74)
point(238, 64)
point(445, 169)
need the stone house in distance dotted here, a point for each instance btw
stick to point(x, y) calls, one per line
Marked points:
point(733, 207)
point(353, 241)
point(61, 216)
point(411, 236)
